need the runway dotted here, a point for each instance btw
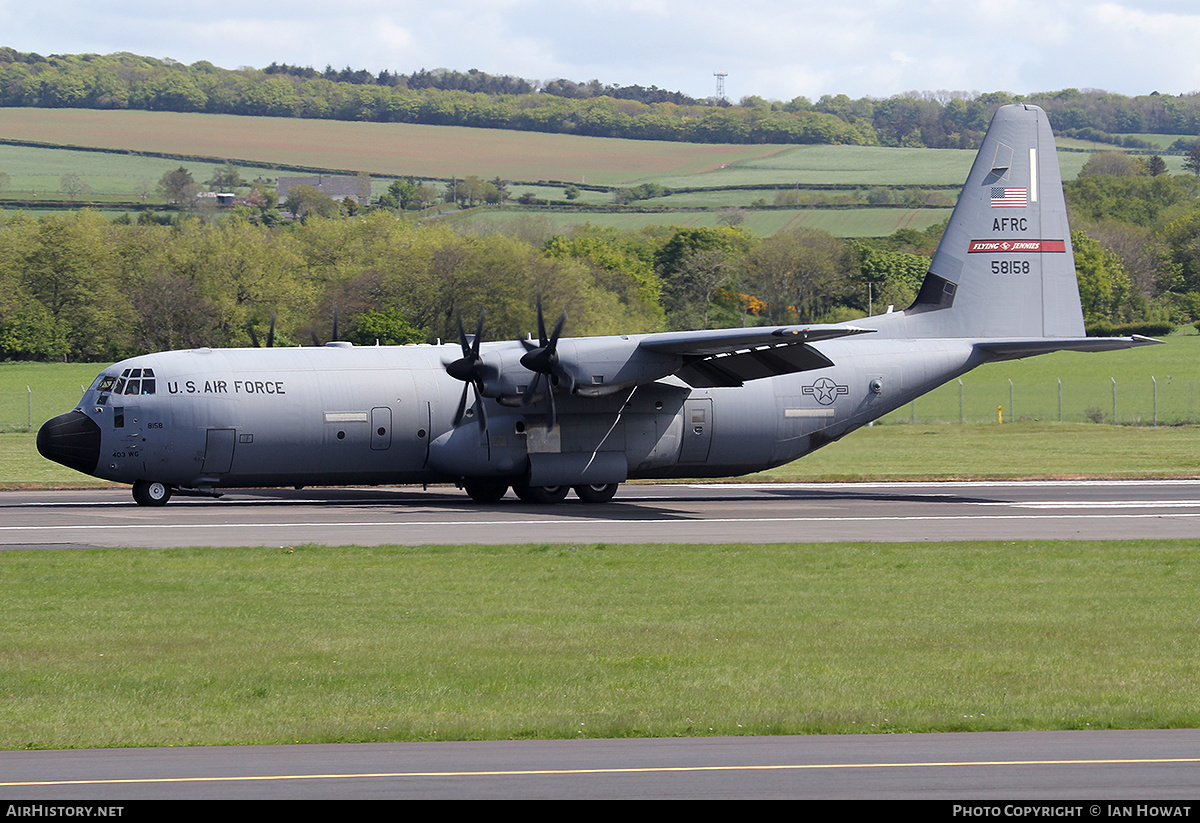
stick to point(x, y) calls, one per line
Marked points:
point(675, 513)
point(1161, 766)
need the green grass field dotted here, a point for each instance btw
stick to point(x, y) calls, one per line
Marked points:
point(1161, 141)
point(866, 222)
point(37, 172)
point(133, 647)
point(845, 165)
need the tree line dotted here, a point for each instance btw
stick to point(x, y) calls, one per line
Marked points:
point(476, 81)
point(78, 286)
point(474, 98)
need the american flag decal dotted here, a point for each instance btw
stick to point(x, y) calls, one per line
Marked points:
point(1008, 197)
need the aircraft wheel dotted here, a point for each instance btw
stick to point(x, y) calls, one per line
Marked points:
point(485, 492)
point(596, 492)
point(541, 494)
point(151, 493)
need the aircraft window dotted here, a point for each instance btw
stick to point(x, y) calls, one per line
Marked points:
point(125, 373)
point(135, 372)
point(120, 385)
point(147, 372)
point(147, 385)
point(105, 382)
point(133, 386)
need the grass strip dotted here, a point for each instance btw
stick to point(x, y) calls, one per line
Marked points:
point(135, 647)
point(1017, 451)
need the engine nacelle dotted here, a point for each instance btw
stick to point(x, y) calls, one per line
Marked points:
point(468, 451)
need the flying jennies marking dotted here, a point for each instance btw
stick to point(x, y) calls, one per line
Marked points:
point(561, 413)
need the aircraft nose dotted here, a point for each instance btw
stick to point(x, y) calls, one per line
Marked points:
point(72, 439)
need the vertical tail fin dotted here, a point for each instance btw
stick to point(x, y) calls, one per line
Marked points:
point(1004, 268)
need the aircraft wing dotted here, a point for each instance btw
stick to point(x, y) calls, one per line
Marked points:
point(730, 357)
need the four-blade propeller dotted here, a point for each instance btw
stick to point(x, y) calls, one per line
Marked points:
point(542, 360)
point(471, 369)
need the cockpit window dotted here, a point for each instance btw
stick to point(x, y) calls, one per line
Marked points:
point(131, 381)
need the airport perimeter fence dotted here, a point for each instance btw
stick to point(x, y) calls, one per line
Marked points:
point(27, 410)
point(1150, 402)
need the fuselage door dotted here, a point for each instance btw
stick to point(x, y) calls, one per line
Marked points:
point(381, 428)
point(218, 451)
point(697, 430)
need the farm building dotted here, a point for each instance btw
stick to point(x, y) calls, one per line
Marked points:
point(339, 187)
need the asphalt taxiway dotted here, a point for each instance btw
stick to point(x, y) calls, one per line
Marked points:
point(1025, 766)
point(668, 513)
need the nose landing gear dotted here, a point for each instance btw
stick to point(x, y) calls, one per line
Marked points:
point(151, 493)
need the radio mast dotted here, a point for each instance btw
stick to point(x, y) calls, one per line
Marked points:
point(720, 75)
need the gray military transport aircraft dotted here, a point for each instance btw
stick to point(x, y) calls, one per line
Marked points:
point(587, 414)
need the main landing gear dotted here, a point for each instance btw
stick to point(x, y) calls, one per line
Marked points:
point(540, 494)
point(596, 492)
point(493, 492)
point(486, 492)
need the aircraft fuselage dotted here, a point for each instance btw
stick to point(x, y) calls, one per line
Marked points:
point(338, 415)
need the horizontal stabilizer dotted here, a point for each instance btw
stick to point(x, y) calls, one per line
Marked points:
point(1016, 349)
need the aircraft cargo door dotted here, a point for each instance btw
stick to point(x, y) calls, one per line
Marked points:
point(697, 430)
